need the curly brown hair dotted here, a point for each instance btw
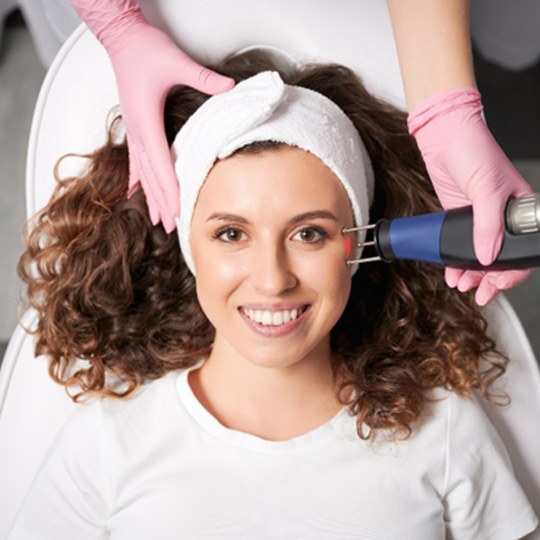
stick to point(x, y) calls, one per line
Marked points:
point(113, 290)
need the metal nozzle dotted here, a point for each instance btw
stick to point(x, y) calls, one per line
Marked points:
point(523, 214)
point(346, 230)
point(369, 227)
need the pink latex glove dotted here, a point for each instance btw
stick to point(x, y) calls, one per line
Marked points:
point(146, 63)
point(467, 166)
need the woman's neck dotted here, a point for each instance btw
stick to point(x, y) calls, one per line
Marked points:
point(275, 403)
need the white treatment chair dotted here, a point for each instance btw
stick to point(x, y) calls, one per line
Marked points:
point(70, 116)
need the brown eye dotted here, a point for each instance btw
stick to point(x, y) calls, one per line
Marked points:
point(230, 234)
point(311, 235)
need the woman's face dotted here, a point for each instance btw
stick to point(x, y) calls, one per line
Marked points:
point(269, 254)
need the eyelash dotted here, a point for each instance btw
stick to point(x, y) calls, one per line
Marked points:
point(220, 232)
point(321, 234)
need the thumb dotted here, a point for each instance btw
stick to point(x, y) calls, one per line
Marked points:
point(210, 82)
point(205, 80)
point(488, 228)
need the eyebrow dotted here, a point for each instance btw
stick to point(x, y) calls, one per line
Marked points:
point(315, 214)
point(222, 216)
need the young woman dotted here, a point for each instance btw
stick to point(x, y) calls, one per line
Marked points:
point(269, 389)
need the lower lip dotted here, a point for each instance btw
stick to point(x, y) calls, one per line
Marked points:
point(276, 331)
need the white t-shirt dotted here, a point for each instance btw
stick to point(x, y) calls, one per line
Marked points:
point(160, 466)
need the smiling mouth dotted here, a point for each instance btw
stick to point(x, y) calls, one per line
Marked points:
point(273, 318)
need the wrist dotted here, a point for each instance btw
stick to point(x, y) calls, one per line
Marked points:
point(442, 103)
point(122, 30)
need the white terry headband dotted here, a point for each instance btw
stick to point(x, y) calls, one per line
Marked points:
point(264, 108)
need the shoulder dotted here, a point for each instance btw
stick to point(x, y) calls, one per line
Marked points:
point(448, 417)
point(149, 393)
point(463, 428)
point(107, 419)
point(459, 416)
point(481, 496)
point(146, 400)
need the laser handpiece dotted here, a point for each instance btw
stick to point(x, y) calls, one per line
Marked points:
point(446, 238)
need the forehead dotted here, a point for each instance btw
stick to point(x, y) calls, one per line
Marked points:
point(284, 178)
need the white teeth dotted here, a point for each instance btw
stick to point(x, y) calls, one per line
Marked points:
point(272, 318)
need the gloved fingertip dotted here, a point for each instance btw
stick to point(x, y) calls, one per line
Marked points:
point(228, 84)
point(214, 83)
point(173, 205)
point(132, 189)
point(461, 287)
point(464, 283)
point(450, 278)
point(169, 224)
point(153, 213)
point(480, 299)
point(485, 295)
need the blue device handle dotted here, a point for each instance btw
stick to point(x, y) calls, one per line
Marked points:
point(446, 238)
point(415, 238)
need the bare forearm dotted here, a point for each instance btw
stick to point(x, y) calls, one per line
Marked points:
point(433, 42)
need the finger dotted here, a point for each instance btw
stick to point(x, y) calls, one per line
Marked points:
point(486, 292)
point(452, 275)
point(160, 172)
point(133, 189)
point(488, 227)
point(489, 209)
point(494, 282)
point(153, 212)
point(205, 80)
point(520, 185)
point(212, 82)
point(511, 278)
point(469, 280)
point(134, 176)
point(169, 224)
point(152, 205)
point(149, 188)
point(150, 164)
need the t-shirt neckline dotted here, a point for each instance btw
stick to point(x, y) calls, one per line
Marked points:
point(327, 431)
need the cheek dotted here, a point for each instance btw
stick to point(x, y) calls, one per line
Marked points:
point(329, 274)
point(348, 246)
point(223, 271)
point(216, 278)
point(210, 265)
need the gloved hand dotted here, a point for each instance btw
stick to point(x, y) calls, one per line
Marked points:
point(146, 63)
point(467, 166)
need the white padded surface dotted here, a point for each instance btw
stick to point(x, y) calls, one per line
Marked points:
point(354, 33)
point(518, 424)
point(32, 411)
point(70, 116)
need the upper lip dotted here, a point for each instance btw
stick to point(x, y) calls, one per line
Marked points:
point(280, 306)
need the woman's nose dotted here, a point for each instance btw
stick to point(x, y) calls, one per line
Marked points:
point(272, 273)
